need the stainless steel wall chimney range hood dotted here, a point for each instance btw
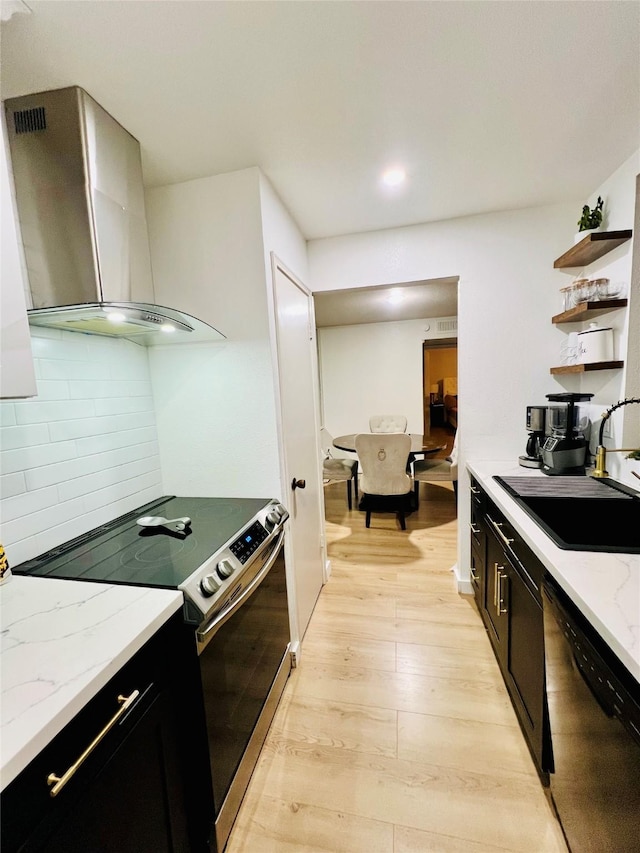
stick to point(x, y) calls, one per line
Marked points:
point(78, 179)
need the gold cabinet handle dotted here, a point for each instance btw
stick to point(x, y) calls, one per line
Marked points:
point(496, 526)
point(474, 490)
point(500, 607)
point(59, 782)
point(475, 530)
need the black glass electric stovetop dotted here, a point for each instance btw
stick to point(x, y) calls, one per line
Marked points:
point(123, 552)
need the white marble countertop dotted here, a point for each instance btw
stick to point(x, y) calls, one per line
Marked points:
point(62, 641)
point(605, 587)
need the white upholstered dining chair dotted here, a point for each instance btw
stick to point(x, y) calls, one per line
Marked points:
point(386, 486)
point(337, 467)
point(388, 423)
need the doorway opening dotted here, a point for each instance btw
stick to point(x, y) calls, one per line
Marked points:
point(440, 390)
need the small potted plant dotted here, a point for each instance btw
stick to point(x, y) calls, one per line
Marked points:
point(591, 220)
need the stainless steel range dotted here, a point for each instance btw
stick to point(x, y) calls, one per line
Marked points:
point(227, 557)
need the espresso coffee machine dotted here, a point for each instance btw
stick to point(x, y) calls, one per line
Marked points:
point(564, 452)
point(536, 422)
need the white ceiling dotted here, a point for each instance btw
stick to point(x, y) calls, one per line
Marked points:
point(488, 105)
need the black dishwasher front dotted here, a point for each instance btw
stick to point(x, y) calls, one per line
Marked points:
point(594, 711)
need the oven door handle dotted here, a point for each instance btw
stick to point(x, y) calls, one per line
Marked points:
point(203, 635)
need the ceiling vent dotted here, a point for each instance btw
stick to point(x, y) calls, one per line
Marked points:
point(447, 326)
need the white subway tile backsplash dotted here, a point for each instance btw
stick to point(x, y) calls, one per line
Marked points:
point(18, 552)
point(65, 347)
point(109, 476)
point(11, 485)
point(23, 436)
point(109, 388)
point(98, 426)
point(126, 438)
point(26, 458)
point(124, 405)
point(7, 414)
point(116, 492)
point(51, 475)
point(70, 370)
point(52, 389)
point(85, 450)
point(54, 536)
point(130, 368)
point(34, 412)
point(35, 522)
point(27, 503)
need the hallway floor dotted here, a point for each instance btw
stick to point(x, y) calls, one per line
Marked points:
point(395, 733)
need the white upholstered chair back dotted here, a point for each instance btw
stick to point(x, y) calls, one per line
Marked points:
point(388, 423)
point(383, 458)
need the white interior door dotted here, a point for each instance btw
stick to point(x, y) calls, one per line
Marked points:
point(298, 388)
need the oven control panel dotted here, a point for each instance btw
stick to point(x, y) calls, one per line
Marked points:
point(227, 572)
point(244, 546)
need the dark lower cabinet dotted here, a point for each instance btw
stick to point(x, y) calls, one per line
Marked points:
point(478, 544)
point(133, 788)
point(497, 599)
point(511, 608)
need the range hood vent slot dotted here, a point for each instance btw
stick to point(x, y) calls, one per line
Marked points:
point(30, 121)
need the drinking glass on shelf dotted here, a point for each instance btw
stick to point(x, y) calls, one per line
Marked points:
point(585, 290)
point(607, 289)
point(566, 294)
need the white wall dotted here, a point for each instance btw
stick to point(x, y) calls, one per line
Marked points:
point(82, 452)
point(619, 194)
point(507, 293)
point(374, 368)
point(215, 402)
point(280, 234)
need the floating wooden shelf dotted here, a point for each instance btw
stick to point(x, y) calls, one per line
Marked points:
point(592, 247)
point(586, 310)
point(586, 368)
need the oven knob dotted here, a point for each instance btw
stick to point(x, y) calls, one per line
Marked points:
point(273, 518)
point(225, 568)
point(209, 585)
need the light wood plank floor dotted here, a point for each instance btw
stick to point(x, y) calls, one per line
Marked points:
point(395, 733)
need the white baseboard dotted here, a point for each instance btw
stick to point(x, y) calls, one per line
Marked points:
point(327, 571)
point(464, 584)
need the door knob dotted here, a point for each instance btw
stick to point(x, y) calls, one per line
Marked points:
point(298, 484)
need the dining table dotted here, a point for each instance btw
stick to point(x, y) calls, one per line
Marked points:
point(420, 445)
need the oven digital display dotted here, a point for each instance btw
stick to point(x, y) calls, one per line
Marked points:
point(245, 545)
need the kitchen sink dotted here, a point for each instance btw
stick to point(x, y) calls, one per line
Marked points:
point(583, 521)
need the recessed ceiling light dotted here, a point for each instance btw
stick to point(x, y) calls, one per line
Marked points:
point(394, 177)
